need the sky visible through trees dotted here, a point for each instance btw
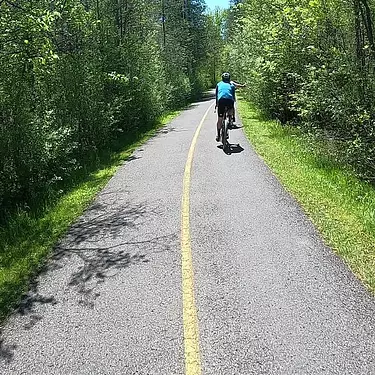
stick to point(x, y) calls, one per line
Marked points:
point(220, 3)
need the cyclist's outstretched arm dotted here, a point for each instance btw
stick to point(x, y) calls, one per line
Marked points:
point(239, 85)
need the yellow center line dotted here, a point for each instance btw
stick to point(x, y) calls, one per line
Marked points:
point(190, 319)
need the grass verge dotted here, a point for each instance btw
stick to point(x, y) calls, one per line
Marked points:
point(341, 206)
point(28, 238)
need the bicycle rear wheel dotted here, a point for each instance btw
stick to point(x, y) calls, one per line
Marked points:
point(224, 132)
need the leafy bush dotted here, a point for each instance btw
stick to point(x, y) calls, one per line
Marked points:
point(312, 63)
point(77, 76)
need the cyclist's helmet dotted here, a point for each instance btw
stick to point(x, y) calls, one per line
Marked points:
point(226, 77)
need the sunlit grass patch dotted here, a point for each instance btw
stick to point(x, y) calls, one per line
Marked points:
point(28, 237)
point(341, 206)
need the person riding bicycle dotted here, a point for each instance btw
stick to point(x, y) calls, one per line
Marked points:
point(225, 97)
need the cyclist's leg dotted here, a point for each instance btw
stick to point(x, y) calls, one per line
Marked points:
point(231, 114)
point(220, 114)
point(219, 125)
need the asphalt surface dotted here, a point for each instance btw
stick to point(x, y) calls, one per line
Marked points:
point(271, 297)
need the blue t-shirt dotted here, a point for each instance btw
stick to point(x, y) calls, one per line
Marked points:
point(225, 90)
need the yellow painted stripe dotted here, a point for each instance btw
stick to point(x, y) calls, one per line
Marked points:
point(190, 319)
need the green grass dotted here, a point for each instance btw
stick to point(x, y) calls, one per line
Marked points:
point(28, 238)
point(341, 206)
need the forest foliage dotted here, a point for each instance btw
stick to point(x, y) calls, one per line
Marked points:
point(76, 75)
point(311, 63)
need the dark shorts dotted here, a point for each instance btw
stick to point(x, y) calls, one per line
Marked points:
point(228, 103)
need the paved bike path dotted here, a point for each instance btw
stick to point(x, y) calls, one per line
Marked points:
point(270, 297)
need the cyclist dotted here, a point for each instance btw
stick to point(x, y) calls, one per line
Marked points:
point(225, 97)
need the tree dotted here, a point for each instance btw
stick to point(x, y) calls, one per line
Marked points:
point(77, 75)
point(312, 63)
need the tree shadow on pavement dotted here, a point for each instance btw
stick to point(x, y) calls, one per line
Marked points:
point(6, 350)
point(104, 218)
point(207, 96)
point(166, 130)
point(30, 300)
point(101, 263)
point(92, 251)
point(132, 158)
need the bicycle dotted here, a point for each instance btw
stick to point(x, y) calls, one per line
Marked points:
point(227, 124)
